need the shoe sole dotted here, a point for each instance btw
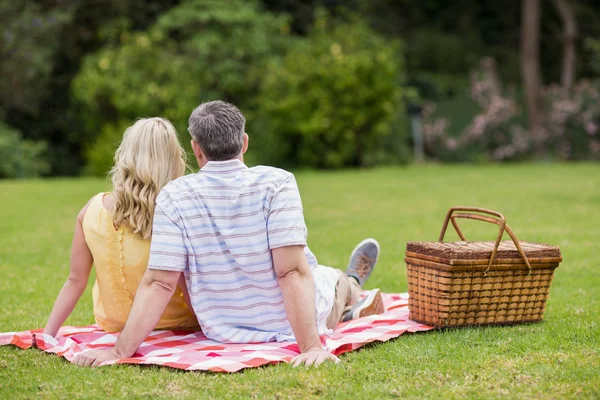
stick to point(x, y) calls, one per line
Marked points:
point(375, 305)
point(358, 246)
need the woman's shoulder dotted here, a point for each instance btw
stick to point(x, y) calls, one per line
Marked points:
point(93, 206)
point(107, 200)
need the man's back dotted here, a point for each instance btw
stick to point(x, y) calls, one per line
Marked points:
point(219, 227)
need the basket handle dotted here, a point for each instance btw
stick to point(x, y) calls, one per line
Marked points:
point(499, 220)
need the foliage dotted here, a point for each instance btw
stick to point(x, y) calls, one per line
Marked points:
point(20, 158)
point(435, 72)
point(30, 51)
point(220, 48)
point(231, 52)
point(573, 122)
point(27, 49)
point(198, 51)
point(100, 155)
point(571, 128)
point(41, 47)
point(118, 85)
point(493, 134)
point(332, 101)
point(593, 46)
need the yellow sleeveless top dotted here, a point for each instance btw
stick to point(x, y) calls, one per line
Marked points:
point(121, 259)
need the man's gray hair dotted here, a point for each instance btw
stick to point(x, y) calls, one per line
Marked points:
point(218, 128)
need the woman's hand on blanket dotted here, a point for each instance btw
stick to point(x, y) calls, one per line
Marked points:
point(315, 356)
point(94, 358)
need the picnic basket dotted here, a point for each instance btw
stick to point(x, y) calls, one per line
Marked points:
point(454, 284)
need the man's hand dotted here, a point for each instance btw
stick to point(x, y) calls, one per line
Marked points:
point(298, 289)
point(94, 358)
point(315, 356)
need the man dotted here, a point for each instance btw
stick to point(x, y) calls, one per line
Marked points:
point(238, 236)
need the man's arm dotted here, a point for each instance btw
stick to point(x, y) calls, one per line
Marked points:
point(298, 289)
point(151, 299)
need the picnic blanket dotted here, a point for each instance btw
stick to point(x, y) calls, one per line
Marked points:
point(191, 351)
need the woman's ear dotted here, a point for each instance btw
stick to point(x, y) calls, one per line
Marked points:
point(245, 147)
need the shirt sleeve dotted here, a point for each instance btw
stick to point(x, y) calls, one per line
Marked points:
point(167, 249)
point(285, 222)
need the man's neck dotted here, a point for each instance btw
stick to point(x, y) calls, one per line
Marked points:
point(202, 162)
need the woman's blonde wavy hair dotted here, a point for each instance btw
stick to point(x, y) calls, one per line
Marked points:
point(149, 157)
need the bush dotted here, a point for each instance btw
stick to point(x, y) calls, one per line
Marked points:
point(117, 86)
point(330, 99)
point(571, 128)
point(198, 51)
point(100, 156)
point(494, 133)
point(334, 100)
point(20, 158)
point(573, 123)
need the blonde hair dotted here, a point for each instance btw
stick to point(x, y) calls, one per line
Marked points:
point(149, 157)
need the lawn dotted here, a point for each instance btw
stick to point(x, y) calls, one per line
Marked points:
point(557, 204)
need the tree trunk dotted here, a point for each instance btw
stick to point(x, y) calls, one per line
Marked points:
point(565, 10)
point(490, 74)
point(530, 70)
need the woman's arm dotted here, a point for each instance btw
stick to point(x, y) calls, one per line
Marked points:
point(81, 265)
point(186, 294)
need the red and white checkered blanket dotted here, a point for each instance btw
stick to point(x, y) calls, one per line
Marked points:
point(193, 351)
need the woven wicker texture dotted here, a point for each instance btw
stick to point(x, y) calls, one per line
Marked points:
point(456, 251)
point(454, 284)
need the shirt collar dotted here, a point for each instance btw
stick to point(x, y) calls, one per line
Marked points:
point(224, 167)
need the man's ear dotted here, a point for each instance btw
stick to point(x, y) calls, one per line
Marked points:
point(196, 149)
point(198, 154)
point(245, 147)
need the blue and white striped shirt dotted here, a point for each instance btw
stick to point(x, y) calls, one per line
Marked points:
point(218, 227)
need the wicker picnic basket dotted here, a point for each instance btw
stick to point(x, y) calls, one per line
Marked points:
point(464, 283)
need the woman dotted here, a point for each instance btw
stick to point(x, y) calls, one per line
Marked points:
point(113, 231)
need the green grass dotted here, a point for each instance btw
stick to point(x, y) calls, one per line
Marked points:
point(557, 204)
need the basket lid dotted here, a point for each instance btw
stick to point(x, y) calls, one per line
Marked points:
point(460, 253)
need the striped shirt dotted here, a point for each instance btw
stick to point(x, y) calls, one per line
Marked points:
point(218, 227)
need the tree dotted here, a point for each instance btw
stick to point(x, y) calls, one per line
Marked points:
point(565, 10)
point(530, 69)
point(41, 47)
